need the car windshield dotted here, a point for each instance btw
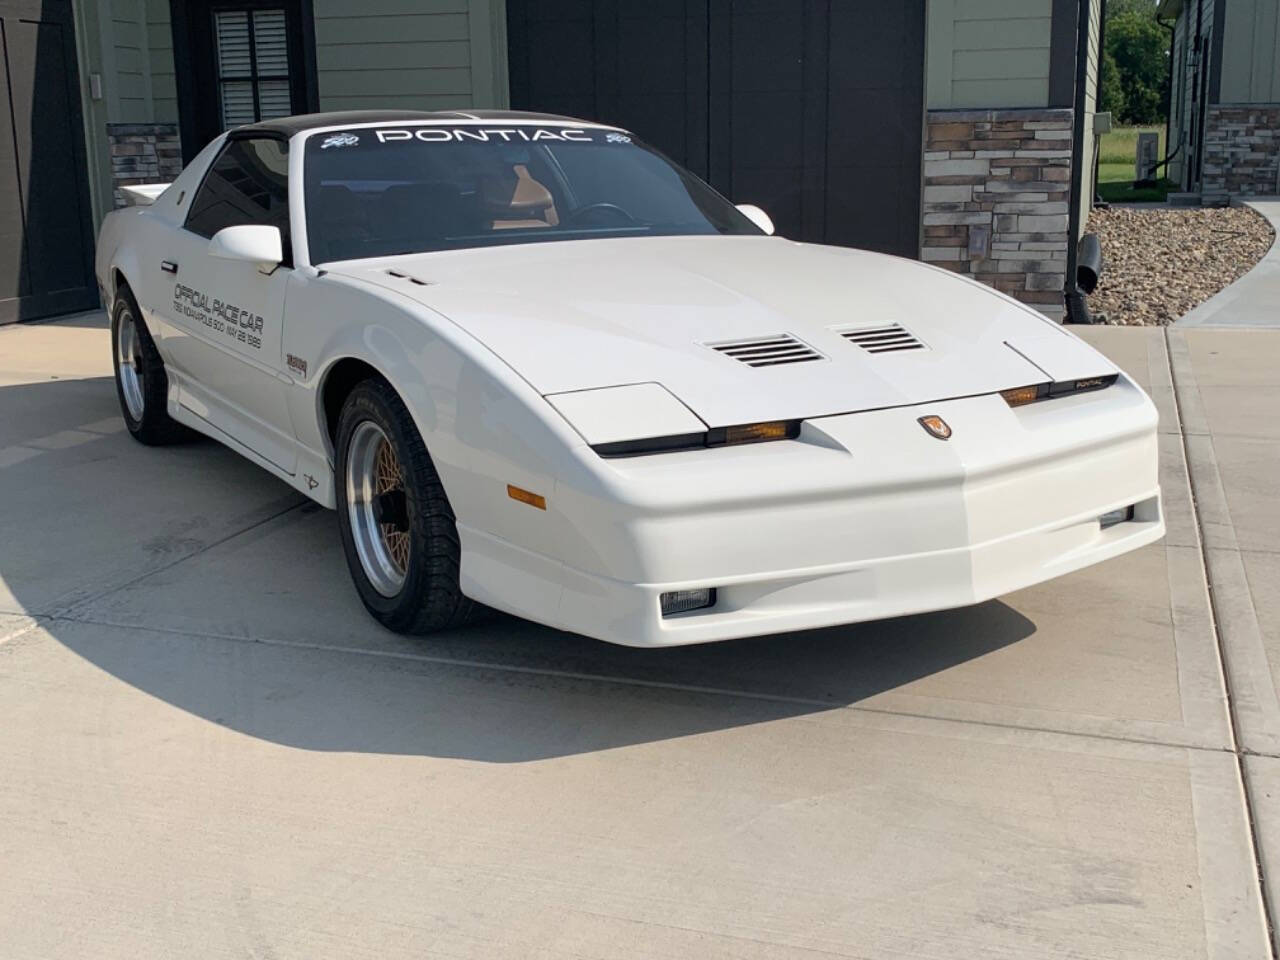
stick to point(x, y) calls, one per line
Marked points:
point(373, 192)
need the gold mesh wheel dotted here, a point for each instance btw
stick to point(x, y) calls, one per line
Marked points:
point(388, 479)
point(378, 508)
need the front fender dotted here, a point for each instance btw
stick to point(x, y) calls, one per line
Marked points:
point(483, 425)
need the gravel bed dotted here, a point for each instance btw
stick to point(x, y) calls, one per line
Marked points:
point(1161, 262)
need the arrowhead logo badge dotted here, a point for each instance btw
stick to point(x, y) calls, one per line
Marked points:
point(936, 427)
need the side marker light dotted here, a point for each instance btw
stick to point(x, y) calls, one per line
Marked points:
point(525, 496)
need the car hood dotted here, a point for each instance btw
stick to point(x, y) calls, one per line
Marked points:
point(578, 315)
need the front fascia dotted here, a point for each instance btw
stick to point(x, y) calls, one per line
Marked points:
point(866, 516)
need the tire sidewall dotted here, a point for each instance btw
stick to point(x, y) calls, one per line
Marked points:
point(122, 303)
point(369, 402)
point(154, 427)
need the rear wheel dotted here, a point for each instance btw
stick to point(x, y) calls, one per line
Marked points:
point(141, 383)
point(398, 530)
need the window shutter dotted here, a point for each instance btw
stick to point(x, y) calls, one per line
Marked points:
point(253, 65)
point(235, 67)
point(271, 48)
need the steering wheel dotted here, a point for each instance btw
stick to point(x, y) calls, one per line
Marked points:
point(602, 207)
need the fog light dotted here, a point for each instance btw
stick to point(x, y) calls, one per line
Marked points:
point(1111, 518)
point(682, 601)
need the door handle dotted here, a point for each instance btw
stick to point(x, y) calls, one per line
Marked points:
point(168, 266)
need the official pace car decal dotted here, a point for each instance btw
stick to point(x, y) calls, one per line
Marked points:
point(235, 323)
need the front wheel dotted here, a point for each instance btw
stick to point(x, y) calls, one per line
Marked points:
point(398, 530)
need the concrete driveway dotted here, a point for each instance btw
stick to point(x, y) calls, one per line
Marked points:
point(209, 750)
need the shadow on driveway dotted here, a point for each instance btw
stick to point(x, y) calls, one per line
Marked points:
point(250, 620)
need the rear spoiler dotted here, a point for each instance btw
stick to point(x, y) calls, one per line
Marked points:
point(143, 194)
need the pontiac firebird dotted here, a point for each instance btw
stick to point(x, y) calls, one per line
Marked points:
point(535, 365)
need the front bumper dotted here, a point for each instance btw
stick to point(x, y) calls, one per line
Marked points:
point(865, 516)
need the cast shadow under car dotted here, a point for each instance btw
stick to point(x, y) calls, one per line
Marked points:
point(261, 632)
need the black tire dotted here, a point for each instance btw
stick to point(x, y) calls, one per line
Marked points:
point(430, 598)
point(153, 426)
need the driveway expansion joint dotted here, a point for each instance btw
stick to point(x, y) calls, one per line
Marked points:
point(60, 609)
point(624, 681)
point(1206, 488)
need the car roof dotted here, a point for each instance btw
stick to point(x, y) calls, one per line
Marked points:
point(301, 123)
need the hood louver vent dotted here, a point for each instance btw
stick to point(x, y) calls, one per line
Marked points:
point(889, 338)
point(768, 351)
point(405, 276)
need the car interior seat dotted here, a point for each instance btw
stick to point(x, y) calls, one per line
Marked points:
point(516, 200)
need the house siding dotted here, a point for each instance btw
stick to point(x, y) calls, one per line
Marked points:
point(130, 100)
point(420, 54)
point(1187, 99)
point(1251, 52)
point(164, 92)
point(1240, 143)
point(998, 151)
point(988, 53)
point(1088, 183)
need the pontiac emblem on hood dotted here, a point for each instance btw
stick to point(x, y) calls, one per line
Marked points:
point(936, 426)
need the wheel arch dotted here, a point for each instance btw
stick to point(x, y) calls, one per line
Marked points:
point(341, 377)
point(119, 281)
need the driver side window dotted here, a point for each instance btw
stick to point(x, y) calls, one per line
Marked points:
point(247, 184)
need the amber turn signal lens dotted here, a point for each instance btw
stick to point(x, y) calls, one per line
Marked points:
point(524, 496)
point(1021, 396)
point(779, 430)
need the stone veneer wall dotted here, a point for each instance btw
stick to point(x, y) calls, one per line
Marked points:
point(997, 186)
point(143, 153)
point(1241, 151)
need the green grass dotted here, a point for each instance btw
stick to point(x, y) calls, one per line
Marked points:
point(1124, 192)
point(1120, 147)
point(1116, 168)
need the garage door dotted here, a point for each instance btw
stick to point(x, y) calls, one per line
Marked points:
point(45, 234)
point(813, 110)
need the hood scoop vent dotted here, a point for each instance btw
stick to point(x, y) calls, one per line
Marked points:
point(887, 338)
point(410, 277)
point(767, 351)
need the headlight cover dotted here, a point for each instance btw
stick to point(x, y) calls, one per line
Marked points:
point(639, 419)
point(1021, 396)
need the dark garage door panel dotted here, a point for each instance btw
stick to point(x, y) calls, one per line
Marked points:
point(875, 126)
point(45, 239)
point(812, 109)
point(643, 66)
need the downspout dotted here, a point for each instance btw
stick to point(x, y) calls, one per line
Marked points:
point(1197, 94)
point(1170, 151)
point(1096, 200)
point(1077, 310)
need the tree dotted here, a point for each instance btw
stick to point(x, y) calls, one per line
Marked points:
point(1110, 92)
point(1146, 8)
point(1139, 49)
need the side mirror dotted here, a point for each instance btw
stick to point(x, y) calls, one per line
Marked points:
point(251, 242)
point(756, 216)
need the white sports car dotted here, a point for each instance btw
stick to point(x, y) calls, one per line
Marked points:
point(535, 365)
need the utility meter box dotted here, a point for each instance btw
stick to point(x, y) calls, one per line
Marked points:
point(1148, 156)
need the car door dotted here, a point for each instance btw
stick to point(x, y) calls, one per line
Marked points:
point(228, 315)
